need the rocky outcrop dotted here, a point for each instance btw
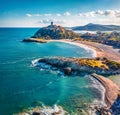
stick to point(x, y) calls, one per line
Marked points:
point(116, 106)
point(34, 40)
point(77, 65)
point(45, 110)
point(67, 70)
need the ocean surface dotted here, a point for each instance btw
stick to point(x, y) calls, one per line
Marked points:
point(22, 85)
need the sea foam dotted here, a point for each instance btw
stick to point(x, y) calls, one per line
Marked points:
point(45, 110)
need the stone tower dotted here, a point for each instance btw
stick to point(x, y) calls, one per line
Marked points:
point(51, 23)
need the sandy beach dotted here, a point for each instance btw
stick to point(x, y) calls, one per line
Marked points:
point(99, 50)
point(110, 95)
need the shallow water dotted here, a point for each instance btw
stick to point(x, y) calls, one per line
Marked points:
point(21, 84)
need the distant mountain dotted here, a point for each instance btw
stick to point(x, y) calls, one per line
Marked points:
point(55, 32)
point(97, 27)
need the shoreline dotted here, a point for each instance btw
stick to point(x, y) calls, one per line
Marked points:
point(110, 100)
point(110, 95)
point(94, 53)
point(99, 50)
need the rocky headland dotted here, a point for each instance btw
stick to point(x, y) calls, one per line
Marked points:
point(34, 40)
point(55, 32)
point(75, 66)
point(52, 32)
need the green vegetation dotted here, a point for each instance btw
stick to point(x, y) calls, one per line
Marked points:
point(59, 32)
point(99, 63)
point(55, 32)
point(113, 64)
point(39, 39)
point(112, 38)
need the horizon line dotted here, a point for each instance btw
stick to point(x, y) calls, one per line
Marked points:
point(54, 24)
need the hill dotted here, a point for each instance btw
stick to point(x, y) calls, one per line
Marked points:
point(55, 32)
point(97, 27)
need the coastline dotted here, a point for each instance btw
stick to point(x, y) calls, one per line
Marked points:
point(104, 50)
point(99, 50)
point(110, 94)
point(110, 98)
point(86, 47)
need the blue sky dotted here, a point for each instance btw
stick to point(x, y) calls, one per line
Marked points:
point(36, 13)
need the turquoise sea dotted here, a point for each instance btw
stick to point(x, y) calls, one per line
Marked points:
point(21, 84)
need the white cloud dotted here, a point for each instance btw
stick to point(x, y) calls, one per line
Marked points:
point(99, 12)
point(111, 13)
point(36, 15)
point(29, 15)
point(67, 14)
point(88, 14)
point(48, 21)
point(58, 15)
point(80, 14)
point(117, 13)
point(66, 19)
point(47, 15)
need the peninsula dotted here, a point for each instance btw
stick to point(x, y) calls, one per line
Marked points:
point(77, 65)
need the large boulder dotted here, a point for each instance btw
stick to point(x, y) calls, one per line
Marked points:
point(67, 70)
point(36, 113)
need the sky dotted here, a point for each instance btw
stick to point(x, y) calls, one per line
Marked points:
point(38, 13)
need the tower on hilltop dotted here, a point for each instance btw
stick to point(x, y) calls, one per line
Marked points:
point(51, 23)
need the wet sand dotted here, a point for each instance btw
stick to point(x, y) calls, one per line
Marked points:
point(110, 94)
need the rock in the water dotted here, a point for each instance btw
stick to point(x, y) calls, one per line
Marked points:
point(36, 113)
point(34, 40)
point(67, 70)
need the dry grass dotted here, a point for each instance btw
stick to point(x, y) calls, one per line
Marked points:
point(93, 63)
